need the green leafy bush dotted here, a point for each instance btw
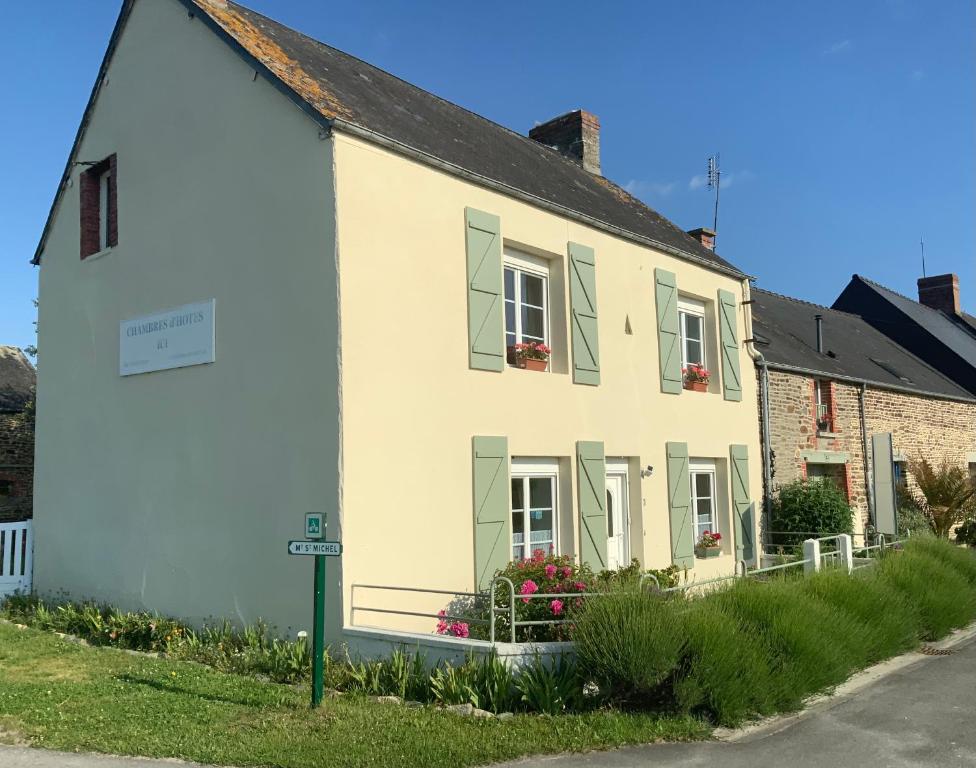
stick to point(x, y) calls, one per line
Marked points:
point(912, 519)
point(809, 507)
point(551, 687)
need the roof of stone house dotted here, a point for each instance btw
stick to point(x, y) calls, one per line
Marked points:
point(17, 379)
point(786, 333)
point(347, 93)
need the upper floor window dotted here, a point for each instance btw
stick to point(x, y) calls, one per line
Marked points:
point(702, 473)
point(98, 192)
point(534, 510)
point(822, 398)
point(691, 323)
point(526, 301)
point(6, 487)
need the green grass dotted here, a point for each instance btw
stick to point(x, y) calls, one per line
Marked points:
point(65, 696)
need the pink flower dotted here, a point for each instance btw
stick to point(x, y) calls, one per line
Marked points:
point(580, 586)
point(442, 623)
point(556, 606)
point(459, 629)
point(550, 571)
point(528, 587)
point(567, 571)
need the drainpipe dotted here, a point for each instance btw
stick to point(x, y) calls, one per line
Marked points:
point(864, 447)
point(763, 419)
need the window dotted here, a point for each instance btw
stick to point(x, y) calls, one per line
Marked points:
point(534, 510)
point(703, 502)
point(6, 487)
point(822, 399)
point(691, 322)
point(901, 472)
point(831, 473)
point(526, 301)
point(99, 210)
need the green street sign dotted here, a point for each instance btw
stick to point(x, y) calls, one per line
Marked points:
point(314, 525)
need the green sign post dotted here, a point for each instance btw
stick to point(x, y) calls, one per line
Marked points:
point(315, 524)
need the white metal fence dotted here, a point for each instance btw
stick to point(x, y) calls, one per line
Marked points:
point(16, 550)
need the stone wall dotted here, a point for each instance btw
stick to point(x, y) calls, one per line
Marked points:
point(921, 427)
point(16, 466)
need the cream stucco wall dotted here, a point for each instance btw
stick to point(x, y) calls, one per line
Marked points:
point(411, 404)
point(177, 490)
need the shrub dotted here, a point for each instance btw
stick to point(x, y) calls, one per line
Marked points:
point(551, 687)
point(945, 494)
point(630, 642)
point(943, 597)
point(806, 507)
point(912, 519)
point(966, 533)
point(959, 560)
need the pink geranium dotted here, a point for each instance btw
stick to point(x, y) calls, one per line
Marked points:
point(567, 571)
point(442, 622)
point(556, 606)
point(459, 629)
point(580, 586)
point(529, 587)
point(550, 571)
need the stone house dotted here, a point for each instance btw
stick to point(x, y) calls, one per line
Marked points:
point(834, 389)
point(236, 187)
point(17, 382)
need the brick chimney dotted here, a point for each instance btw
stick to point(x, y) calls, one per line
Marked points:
point(705, 236)
point(940, 292)
point(575, 135)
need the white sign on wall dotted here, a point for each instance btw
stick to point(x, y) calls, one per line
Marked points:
point(174, 338)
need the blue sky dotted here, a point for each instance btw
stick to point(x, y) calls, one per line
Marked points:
point(846, 129)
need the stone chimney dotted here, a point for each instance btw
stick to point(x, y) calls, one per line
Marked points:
point(940, 292)
point(575, 135)
point(705, 236)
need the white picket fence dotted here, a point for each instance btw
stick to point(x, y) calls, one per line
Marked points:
point(16, 550)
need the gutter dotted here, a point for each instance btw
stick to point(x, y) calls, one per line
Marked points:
point(767, 465)
point(864, 382)
point(868, 472)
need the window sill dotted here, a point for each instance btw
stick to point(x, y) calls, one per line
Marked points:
point(99, 254)
point(827, 434)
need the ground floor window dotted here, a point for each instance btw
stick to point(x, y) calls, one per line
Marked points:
point(831, 473)
point(534, 508)
point(702, 474)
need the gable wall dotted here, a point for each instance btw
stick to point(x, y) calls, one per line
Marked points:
point(177, 490)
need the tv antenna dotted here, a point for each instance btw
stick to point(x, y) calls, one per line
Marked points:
point(715, 182)
point(921, 243)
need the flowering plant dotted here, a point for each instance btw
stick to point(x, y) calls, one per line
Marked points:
point(696, 372)
point(445, 626)
point(710, 540)
point(533, 350)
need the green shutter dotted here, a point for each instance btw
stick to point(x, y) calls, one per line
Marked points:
point(743, 508)
point(679, 506)
point(582, 298)
point(486, 319)
point(668, 337)
point(591, 472)
point(492, 515)
point(728, 330)
point(883, 466)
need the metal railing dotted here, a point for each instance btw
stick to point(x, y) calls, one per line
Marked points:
point(503, 587)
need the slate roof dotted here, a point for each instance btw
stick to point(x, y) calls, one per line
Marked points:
point(349, 93)
point(17, 379)
point(955, 332)
point(786, 333)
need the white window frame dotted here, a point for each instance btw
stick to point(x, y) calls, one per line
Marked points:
point(520, 262)
point(703, 467)
point(103, 204)
point(525, 469)
point(693, 308)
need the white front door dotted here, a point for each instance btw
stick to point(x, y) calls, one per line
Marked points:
point(618, 546)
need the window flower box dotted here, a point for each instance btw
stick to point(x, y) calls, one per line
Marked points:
point(708, 545)
point(696, 377)
point(533, 356)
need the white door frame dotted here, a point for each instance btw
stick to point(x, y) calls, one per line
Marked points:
point(617, 478)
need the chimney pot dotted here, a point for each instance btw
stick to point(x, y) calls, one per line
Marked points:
point(940, 292)
point(575, 135)
point(819, 321)
point(705, 236)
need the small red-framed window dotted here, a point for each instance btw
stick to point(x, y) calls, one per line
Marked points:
point(98, 188)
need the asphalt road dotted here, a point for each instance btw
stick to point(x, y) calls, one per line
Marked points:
point(919, 715)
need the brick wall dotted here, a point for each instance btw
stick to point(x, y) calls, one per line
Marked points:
point(921, 427)
point(17, 465)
